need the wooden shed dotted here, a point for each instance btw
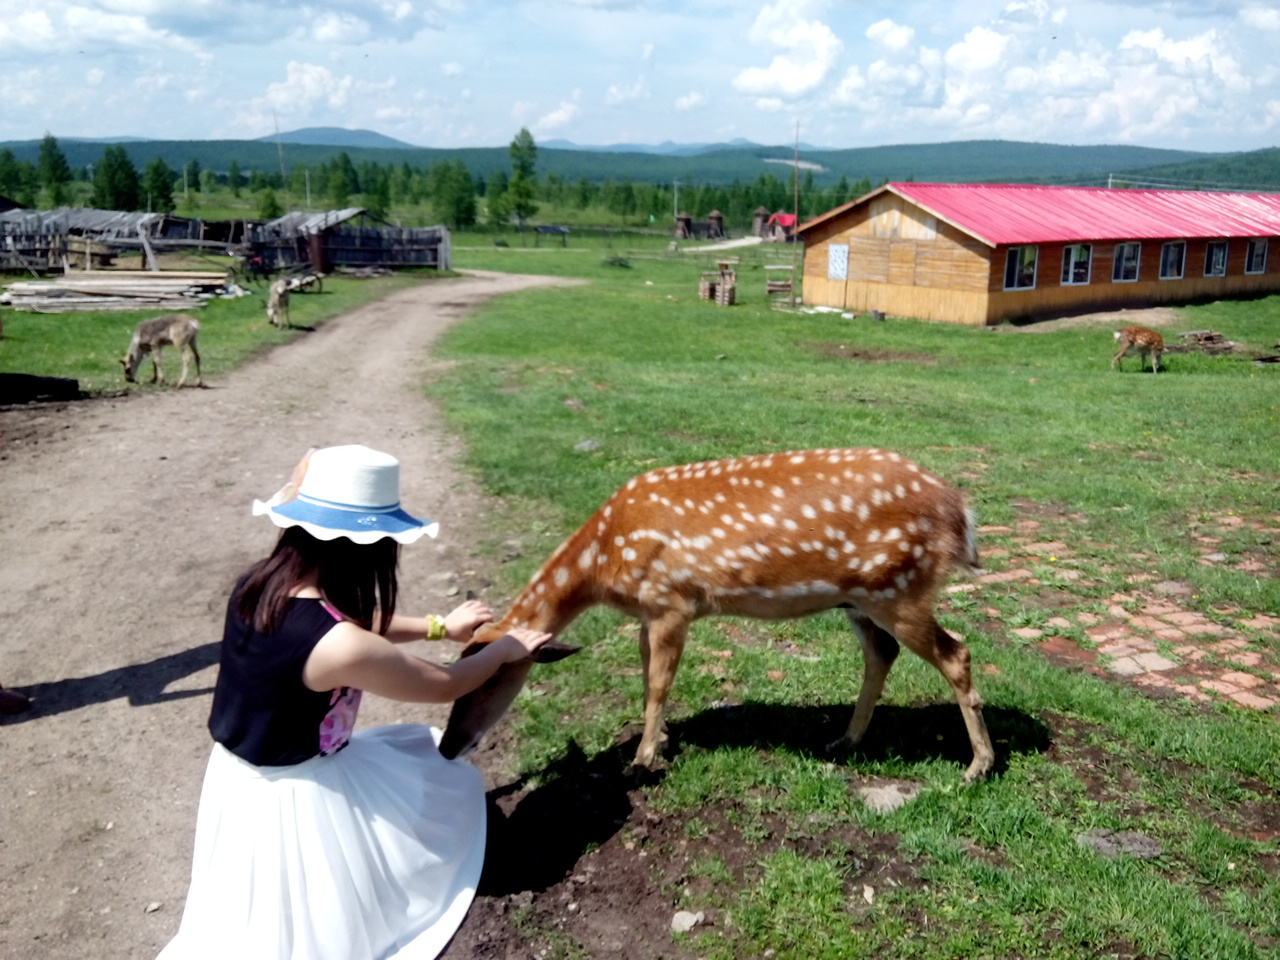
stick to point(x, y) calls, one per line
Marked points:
point(982, 253)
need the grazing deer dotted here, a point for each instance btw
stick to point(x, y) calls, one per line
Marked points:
point(278, 303)
point(175, 329)
point(1144, 341)
point(773, 536)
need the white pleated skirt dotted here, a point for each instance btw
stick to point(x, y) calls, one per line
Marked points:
point(371, 853)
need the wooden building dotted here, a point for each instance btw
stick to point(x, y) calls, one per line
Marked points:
point(982, 253)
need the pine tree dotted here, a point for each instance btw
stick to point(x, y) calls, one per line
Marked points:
point(115, 181)
point(269, 208)
point(234, 180)
point(55, 172)
point(157, 186)
point(10, 174)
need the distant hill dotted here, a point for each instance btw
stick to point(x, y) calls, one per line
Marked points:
point(339, 137)
point(721, 164)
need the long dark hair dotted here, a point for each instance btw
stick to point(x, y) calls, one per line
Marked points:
point(358, 579)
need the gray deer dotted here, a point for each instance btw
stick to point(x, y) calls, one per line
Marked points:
point(175, 329)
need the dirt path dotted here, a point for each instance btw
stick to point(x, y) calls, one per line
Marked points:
point(125, 522)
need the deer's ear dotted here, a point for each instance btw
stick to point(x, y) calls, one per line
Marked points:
point(553, 650)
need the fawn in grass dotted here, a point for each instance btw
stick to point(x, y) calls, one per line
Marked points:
point(150, 336)
point(278, 303)
point(1144, 341)
point(772, 536)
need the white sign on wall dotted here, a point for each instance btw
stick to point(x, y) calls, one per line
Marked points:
point(838, 261)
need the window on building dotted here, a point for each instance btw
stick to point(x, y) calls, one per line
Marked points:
point(1125, 269)
point(1172, 259)
point(1077, 259)
point(838, 261)
point(1020, 268)
point(1255, 258)
point(1215, 259)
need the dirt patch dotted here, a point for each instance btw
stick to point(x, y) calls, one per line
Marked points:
point(845, 351)
point(1154, 317)
point(126, 521)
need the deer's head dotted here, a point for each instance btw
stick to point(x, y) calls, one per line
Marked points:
point(475, 713)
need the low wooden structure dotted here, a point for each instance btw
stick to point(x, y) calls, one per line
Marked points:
point(983, 253)
point(721, 284)
point(346, 238)
point(780, 281)
point(711, 228)
point(168, 292)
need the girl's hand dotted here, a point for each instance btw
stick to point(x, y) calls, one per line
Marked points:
point(462, 621)
point(520, 643)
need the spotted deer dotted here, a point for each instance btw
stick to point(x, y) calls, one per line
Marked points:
point(278, 303)
point(772, 536)
point(175, 329)
point(1144, 341)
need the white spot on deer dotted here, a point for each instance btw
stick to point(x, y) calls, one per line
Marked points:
point(790, 524)
point(809, 512)
point(804, 545)
point(917, 551)
point(681, 575)
point(767, 519)
point(541, 589)
point(873, 536)
point(796, 481)
point(778, 492)
point(786, 551)
point(619, 541)
point(863, 511)
point(797, 459)
point(827, 505)
point(876, 477)
point(849, 546)
point(893, 534)
point(631, 485)
point(932, 480)
point(721, 498)
point(588, 555)
point(628, 554)
point(900, 491)
point(881, 558)
point(846, 503)
point(750, 518)
point(562, 576)
point(888, 593)
point(737, 564)
point(739, 527)
point(901, 581)
point(833, 553)
point(717, 533)
point(638, 574)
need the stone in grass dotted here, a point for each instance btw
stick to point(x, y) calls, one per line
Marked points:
point(1112, 843)
point(888, 797)
point(684, 921)
point(586, 446)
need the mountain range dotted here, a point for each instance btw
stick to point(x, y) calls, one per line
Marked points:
point(716, 164)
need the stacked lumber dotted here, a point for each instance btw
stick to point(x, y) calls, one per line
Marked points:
point(173, 290)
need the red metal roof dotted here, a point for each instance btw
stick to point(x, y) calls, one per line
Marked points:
point(783, 219)
point(1017, 213)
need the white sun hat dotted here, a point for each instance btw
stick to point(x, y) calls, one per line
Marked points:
point(349, 491)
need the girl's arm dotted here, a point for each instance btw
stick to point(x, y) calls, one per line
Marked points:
point(348, 656)
point(459, 624)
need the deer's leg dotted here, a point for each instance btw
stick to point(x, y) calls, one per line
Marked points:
point(879, 650)
point(923, 635)
point(1155, 361)
point(1124, 348)
point(661, 644)
point(157, 375)
point(196, 353)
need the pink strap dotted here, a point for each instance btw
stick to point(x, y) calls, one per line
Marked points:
point(332, 611)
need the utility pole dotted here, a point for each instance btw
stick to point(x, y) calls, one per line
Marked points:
point(284, 182)
point(675, 207)
point(795, 240)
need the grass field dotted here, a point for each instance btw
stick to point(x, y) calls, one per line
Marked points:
point(1120, 474)
point(1093, 487)
point(88, 346)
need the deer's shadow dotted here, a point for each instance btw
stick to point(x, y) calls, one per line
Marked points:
point(140, 683)
point(535, 838)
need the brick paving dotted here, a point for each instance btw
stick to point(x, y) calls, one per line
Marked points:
point(1146, 636)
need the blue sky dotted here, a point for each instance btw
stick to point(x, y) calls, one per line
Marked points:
point(1193, 74)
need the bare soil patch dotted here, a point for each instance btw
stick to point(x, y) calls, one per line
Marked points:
point(846, 351)
point(1153, 317)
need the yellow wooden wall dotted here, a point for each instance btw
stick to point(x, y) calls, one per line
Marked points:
point(901, 261)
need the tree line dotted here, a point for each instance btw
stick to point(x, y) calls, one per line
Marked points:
point(457, 197)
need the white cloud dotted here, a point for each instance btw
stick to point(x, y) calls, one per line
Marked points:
point(646, 52)
point(558, 118)
point(690, 101)
point(980, 49)
point(1200, 56)
point(306, 85)
point(340, 28)
point(1261, 18)
point(769, 104)
point(812, 49)
point(892, 35)
point(94, 77)
point(617, 94)
point(451, 69)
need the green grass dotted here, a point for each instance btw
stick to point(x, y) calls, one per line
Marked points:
point(88, 346)
point(1133, 465)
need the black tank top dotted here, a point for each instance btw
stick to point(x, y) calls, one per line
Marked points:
point(262, 712)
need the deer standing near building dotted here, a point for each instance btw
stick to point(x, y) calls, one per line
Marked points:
point(773, 536)
point(1143, 340)
point(150, 336)
point(278, 303)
